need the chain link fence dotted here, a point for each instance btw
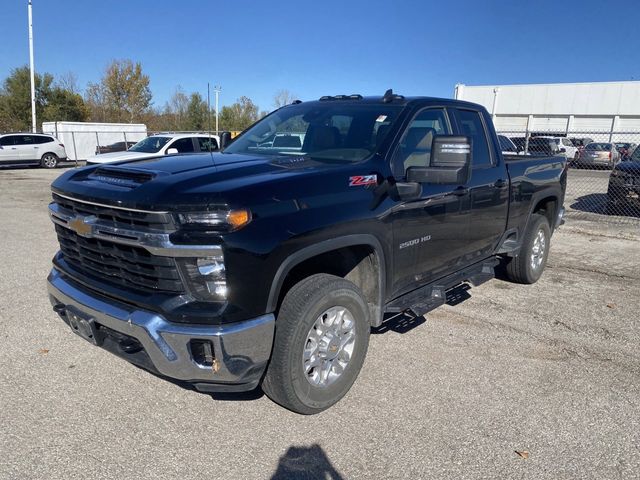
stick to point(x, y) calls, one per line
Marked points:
point(603, 181)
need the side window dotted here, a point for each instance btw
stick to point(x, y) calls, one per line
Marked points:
point(25, 140)
point(6, 141)
point(183, 145)
point(566, 142)
point(414, 149)
point(471, 125)
point(207, 144)
point(505, 144)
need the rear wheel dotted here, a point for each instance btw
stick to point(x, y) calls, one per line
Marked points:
point(321, 340)
point(528, 265)
point(615, 201)
point(49, 160)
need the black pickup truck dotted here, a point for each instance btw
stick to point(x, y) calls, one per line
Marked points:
point(260, 265)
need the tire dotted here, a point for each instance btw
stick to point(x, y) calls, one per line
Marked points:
point(49, 160)
point(615, 201)
point(310, 303)
point(520, 268)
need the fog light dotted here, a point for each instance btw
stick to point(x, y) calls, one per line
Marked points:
point(218, 288)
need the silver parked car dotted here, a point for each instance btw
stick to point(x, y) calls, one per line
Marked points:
point(598, 154)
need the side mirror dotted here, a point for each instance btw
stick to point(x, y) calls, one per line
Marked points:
point(172, 151)
point(225, 140)
point(450, 162)
point(563, 150)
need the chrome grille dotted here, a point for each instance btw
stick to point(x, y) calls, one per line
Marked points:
point(117, 261)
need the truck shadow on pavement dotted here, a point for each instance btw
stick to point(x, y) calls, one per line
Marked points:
point(306, 463)
point(407, 321)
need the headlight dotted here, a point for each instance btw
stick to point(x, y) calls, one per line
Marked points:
point(206, 277)
point(223, 220)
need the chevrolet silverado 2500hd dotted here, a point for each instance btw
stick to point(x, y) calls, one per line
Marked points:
point(259, 265)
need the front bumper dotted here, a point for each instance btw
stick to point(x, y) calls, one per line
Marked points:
point(240, 351)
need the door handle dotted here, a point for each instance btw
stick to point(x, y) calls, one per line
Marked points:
point(460, 191)
point(500, 183)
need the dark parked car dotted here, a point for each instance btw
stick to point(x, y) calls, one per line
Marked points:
point(624, 183)
point(625, 149)
point(114, 147)
point(545, 146)
point(264, 265)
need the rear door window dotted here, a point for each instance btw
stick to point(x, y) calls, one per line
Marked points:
point(9, 140)
point(25, 140)
point(207, 144)
point(471, 125)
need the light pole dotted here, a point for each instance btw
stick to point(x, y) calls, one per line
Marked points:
point(31, 67)
point(217, 89)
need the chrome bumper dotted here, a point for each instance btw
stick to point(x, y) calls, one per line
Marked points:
point(240, 350)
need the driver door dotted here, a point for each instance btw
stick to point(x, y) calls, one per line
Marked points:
point(429, 232)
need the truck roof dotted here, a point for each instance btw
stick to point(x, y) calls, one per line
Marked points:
point(391, 98)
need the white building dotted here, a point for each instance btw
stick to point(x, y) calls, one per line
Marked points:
point(611, 108)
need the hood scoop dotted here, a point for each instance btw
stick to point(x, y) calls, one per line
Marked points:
point(126, 177)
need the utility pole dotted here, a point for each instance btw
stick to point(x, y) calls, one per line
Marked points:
point(217, 89)
point(33, 80)
point(208, 109)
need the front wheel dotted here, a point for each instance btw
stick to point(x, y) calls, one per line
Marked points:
point(528, 265)
point(49, 160)
point(321, 340)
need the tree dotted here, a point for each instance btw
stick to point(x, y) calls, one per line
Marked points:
point(54, 102)
point(239, 115)
point(99, 110)
point(282, 98)
point(15, 98)
point(176, 109)
point(64, 105)
point(123, 93)
point(196, 117)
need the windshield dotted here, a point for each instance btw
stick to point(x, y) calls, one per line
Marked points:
point(150, 144)
point(331, 131)
point(601, 147)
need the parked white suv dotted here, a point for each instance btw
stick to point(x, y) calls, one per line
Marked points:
point(162, 144)
point(31, 149)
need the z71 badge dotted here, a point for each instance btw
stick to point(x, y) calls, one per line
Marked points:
point(361, 180)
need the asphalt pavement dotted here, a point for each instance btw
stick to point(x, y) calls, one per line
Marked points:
point(515, 381)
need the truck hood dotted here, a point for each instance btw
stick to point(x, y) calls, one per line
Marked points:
point(118, 157)
point(187, 182)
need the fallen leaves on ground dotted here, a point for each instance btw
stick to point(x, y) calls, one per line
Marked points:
point(43, 351)
point(522, 453)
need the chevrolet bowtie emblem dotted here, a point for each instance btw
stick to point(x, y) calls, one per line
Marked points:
point(82, 225)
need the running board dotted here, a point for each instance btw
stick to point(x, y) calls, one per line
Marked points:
point(432, 296)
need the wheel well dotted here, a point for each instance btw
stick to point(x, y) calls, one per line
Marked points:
point(547, 207)
point(360, 264)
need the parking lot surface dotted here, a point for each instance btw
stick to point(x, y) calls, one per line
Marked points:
point(551, 371)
